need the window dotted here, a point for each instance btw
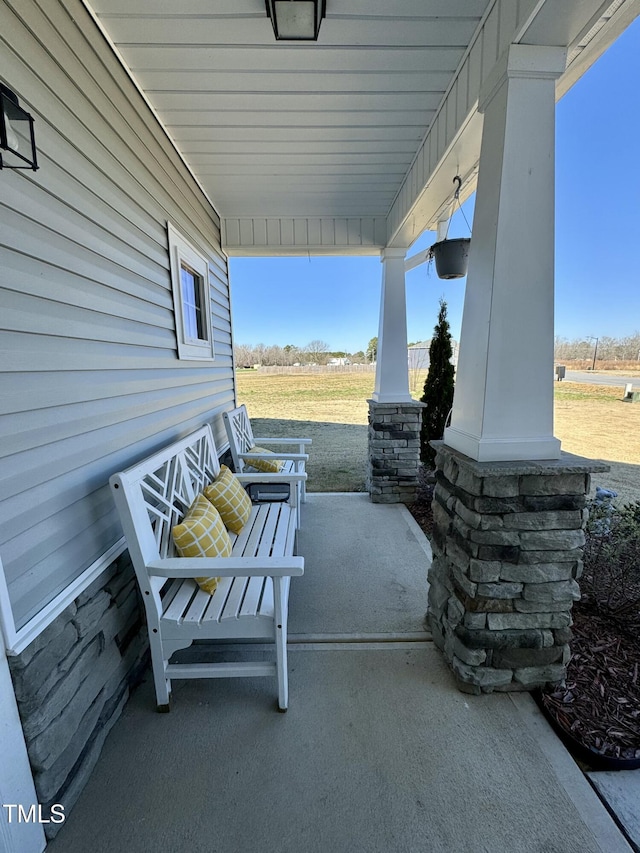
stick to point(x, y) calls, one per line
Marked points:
point(191, 300)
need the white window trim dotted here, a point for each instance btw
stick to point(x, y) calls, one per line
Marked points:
point(181, 251)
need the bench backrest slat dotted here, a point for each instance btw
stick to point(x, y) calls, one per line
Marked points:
point(239, 433)
point(154, 495)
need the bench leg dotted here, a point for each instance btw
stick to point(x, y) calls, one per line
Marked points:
point(163, 690)
point(300, 469)
point(160, 680)
point(280, 593)
point(302, 487)
point(281, 664)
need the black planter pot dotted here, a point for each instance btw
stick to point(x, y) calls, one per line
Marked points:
point(581, 751)
point(451, 257)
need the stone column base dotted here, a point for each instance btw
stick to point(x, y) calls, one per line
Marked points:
point(394, 451)
point(507, 554)
point(73, 680)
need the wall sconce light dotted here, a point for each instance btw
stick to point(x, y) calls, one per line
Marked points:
point(17, 139)
point(296, 20)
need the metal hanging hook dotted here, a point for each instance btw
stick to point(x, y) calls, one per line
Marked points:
point(456, 198)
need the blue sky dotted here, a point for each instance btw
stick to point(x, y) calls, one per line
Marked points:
point(337, 300)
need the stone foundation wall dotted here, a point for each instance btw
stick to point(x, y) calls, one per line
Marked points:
point(507, 545)
point(394, 451)
point(72, 682)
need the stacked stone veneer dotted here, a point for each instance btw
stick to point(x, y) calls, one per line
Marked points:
point(72, 682)
point(507, 545)
point(394, 451)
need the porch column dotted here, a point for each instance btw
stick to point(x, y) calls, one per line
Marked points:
point(509, 507)
point(392, 370)
point(394, 416)
point(503, 403)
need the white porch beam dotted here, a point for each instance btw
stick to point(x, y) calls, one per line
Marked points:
point(416, 260)
point(443, 226)
point(452, 143)
point(441, 233)
point(392, 372)
point(279, 236)
point(503, 403)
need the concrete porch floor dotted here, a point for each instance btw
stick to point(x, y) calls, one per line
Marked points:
point(378, 751)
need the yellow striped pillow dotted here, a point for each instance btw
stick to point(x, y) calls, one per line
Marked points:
point(202, 533)
point(267, 466)
point(230, 499)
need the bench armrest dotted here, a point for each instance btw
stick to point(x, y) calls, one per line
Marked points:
point(293, 457)
point(263, 477)
point(227, 567)
point(282, 441)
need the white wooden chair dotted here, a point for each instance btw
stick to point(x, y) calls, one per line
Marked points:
point(251, 601)
point(242, 440)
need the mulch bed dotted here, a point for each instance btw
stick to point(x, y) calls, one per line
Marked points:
point(421, 509)
point(599, 703)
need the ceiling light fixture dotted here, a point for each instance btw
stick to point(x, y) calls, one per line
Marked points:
point(296, 20)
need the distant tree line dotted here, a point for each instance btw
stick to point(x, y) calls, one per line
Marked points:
point(315, 352)
point(318, 351)
point(609, 349)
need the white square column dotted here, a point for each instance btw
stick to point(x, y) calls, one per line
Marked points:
point(503, 403)
point(392, 370)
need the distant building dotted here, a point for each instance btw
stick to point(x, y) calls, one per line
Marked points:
point(338, 362)
point(418, 355)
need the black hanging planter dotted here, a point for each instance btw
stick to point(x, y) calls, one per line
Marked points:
point(451, 257)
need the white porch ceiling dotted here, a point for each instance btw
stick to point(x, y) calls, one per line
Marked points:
point(351, 142)
point(284, 129)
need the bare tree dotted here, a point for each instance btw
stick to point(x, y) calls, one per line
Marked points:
point(244, 355)
point(291, 354)
point(274, 355)
point(609, 348)
point(316, 351)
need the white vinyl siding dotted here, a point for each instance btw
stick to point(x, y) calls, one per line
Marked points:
point(90, 378)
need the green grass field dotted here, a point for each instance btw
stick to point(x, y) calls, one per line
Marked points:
point(331, 408)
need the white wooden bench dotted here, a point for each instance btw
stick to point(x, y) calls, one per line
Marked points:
point(242, 440)
point(251, 601)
